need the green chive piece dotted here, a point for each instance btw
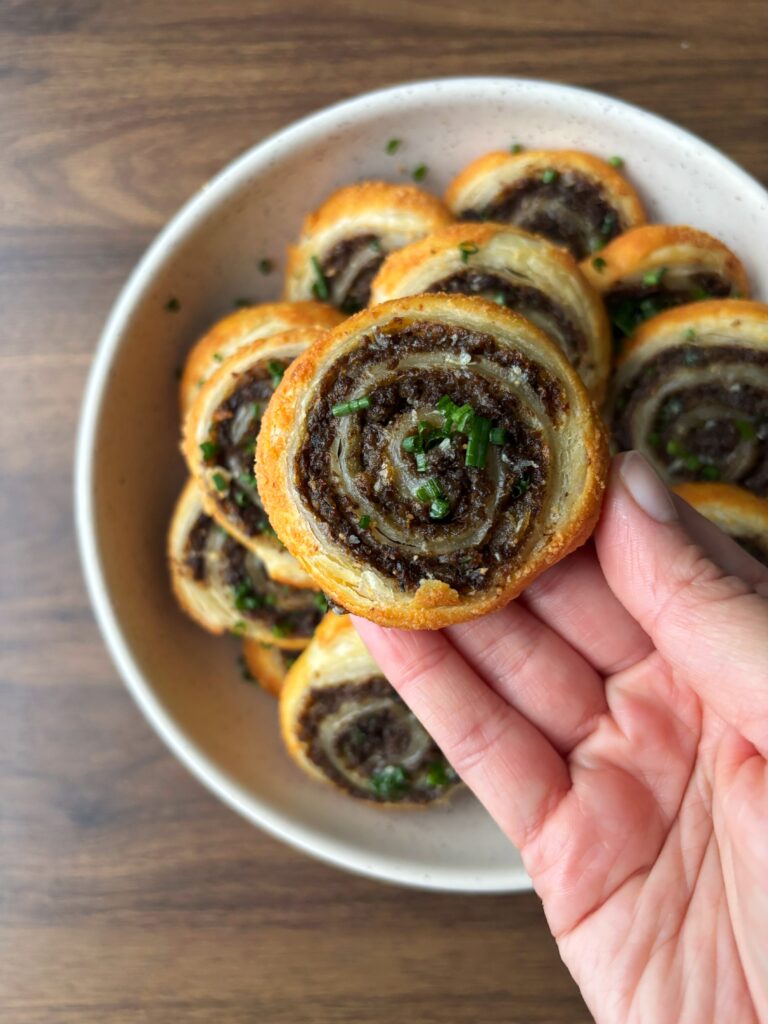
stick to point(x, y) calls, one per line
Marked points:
point(411, 443)
point(498, 435)
point(421, 461)
point(354, 405)
point(609, 225)
point(516, 147)
point(266, 266)
point(208, 449)
point(440, 774)
point(282, 629)
point(393, 145)
point(375, 245)
point(521, 487)
point(599, 264)
point(419, 173)
point(242, 500)
point(746, 430)
point(439, 508)
point(390, 783)
point(654, 277)
point(247, 479)
point(430, 490)
point(654, 440)
point(173, 305)
point(238, 628)
point(364, 522)
point(690, 334)
point(468, 249)
point(675, 449)
point(220, 482)
point(699, 294)
point(276, 371)
point(245, 672)
point(692, 357)
point(477, 448)
point(500, 299)
point(616, 161)
point(320, 287)
point(320, 602)
point(218, 357)
point(710, 472)
point(550, 175)
point(692, 462)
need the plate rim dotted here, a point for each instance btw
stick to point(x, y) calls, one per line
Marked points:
point(182, 223)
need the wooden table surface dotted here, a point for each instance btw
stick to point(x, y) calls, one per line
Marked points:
point(127, 892)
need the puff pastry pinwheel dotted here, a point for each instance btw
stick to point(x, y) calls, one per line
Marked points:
point(515, 269)
point(343, 723)
point(739, 513)
point(244, 327)
point(219, 442)
point(425, 460)
point(691, 393)
point(224, 587)
point(654, 267)
point(268, 665)
point(344, 242)
point(574, 199)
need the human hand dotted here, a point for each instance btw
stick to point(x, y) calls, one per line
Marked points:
point(614, 721)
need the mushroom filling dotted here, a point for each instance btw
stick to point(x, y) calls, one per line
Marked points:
point(364, 738)
point(702, 412)
point(347, 271)
point(231, 444)
point(525, 299)
point(564, 206)
point(427, 453)
point(212, 556)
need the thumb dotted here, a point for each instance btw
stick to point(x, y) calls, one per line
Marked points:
point(701, 599)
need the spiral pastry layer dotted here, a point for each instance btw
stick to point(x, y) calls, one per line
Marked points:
point(658, 266)
point(224, 587)
point(691, 393)
point(428, 458)
point(244, 327)
point(267, 665)
point(739, 513)
point(574, 199)
point(514, 269)
point(219, 443)
point(344, 242)
point(344, 724)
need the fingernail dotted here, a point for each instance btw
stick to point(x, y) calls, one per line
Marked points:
point(646, 487)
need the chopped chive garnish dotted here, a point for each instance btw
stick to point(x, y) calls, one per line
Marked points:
point(654, 440)
point(390, 783)
point(276, 371)
point(393, 145)
point(616, 161)
point(520, 487)
point(477, 446)
point(675, 449)
point(700, 293)
point(430, 490)
point(354, 405)
point(746, 430)
point(608, 225)
point(550, 175)
point(439, 508)
point(710, 472)
point(320, 602)
point(266, 266)
point(220, 482)
point(498, 435)
point(691, 357)
point(440, 774)
point(375, 244)
point(208, 449)
point(500, 299)
point(320, 287)
point(248, 479)
point(692, 462)
point(419, 173)
point(238, 628)
point(690, 334)
point(218, 357)
point(654, 277)
point(255, 410)
point(282, 629)
point(599, 264)
point(411, 443)
point(516, 148)
point(421, 461)
point(173, 305)
point(242, 500)
point(245, 672)
point(364, 522)
point(467, 249)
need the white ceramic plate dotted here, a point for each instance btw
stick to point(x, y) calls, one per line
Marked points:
point(129, 470)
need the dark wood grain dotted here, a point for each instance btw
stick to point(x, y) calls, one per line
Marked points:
point(127, 893)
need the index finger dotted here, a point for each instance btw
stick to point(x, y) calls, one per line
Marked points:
point(511, 768)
